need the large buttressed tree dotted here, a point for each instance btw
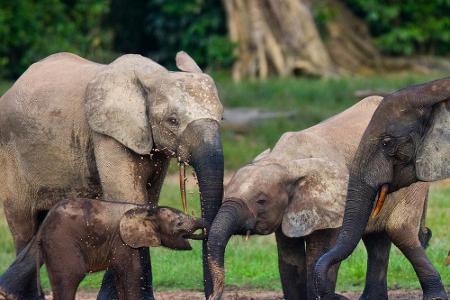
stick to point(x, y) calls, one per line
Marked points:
point(309, 37)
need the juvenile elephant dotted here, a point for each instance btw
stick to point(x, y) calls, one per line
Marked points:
point(406, 141)
point(298, 191)
point(84, 235)
point(70, 127)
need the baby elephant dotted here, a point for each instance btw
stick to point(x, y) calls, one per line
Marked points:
point(83, 235)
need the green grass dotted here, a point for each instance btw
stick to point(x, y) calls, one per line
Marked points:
point(253, 263)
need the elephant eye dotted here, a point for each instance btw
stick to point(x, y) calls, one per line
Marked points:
point(261, 201)
point(173, 121)
point(386, 142)
point(179, 224)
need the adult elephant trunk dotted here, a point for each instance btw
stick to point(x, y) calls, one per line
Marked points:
point(357, 212)
point(230, 220)
point(205, 154)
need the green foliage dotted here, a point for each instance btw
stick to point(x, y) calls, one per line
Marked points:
point(31, 30)
point(160, 29)
point(196, 26)
point(407, 27)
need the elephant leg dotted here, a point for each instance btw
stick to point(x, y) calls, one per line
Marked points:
point(64, 261)
point(64, 284)
point(20, 279)
point(378, 246)
point(113, 277)
point(127, 272)
point(22, 223)
point(134, 178)
point(430, 280)
point(292, 266)
point(318, 243)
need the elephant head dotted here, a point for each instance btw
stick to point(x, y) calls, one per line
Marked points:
point(164, 226)
point(148, 108)
point(407, 140)
point(301, 196)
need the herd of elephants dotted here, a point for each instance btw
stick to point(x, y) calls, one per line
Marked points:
point(73, 131)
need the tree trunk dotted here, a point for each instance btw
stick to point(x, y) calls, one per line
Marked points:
point(347, 39)
point(280, 37)
point(275, 37)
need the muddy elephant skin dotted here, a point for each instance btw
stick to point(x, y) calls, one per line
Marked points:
point(81, 236)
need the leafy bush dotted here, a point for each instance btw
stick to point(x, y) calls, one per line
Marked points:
point(407, 27)
point(159, 29)
point(31, 30)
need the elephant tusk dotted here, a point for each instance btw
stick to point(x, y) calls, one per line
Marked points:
point(183, 187)
point(247, 235)
point(382, 193)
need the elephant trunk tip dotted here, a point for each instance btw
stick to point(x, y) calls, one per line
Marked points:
point(320, 276)
point(218, 279)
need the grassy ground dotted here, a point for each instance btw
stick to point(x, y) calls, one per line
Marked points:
point(253, 263)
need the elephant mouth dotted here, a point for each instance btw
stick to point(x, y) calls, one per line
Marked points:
point(196, 236)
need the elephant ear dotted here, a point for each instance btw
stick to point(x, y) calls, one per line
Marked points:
point(138, 228)
point(186, 63)
point(317, 199)
point(116, 103)
point(433, 157)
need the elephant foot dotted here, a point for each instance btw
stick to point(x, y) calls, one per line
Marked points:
point(441, 295)
point(111, 294)
point(434, 290)
point(17, 294)
point(379, 295)
point(332, 297)
point(339, 297)
point(108, 290)
point(4, 295)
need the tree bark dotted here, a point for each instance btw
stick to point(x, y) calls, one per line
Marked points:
point(275, 37)
point(281, 38)
point(348, 40)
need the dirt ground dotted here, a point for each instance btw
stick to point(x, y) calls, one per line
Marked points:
point(240, 294)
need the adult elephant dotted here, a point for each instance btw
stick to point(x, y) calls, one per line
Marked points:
point(72, 127)
point(298, 191)
point(407, 140)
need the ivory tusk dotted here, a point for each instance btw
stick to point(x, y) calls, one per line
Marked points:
point(183, 187)
point(382, 193)
point(247, 235)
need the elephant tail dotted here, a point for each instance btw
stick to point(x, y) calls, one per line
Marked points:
point(425, 233)
point(32, 252)
point(37, 263)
